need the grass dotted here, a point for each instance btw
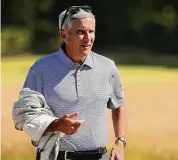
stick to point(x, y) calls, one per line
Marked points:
point(151, 99)
point(17, 158)
point(130, 155)
point(14, 70)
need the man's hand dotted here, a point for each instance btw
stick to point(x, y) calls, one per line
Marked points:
point(66, 124)
point(117, 152)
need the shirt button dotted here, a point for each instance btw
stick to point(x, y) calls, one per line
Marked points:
point(79, 84)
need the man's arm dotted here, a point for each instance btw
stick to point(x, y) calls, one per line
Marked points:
point(118, 114)
point(118, 117)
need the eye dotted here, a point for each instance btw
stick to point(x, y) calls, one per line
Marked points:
point(80, 32)
point(91, 31)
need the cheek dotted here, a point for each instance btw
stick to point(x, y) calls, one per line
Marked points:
point(73, 40)
point(93, 38)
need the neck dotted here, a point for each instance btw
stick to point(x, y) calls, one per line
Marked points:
point(75, 59)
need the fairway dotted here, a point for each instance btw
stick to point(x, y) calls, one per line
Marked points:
point(151, 99)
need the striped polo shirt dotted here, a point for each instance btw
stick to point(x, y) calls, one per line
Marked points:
point(89, 88)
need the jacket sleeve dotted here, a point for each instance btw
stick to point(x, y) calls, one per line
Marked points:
point(32, 114)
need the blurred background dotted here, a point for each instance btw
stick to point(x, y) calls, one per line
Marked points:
point(141, 26)
point(141, 36)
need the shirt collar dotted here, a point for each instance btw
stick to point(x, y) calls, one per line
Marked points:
point(61, 55)
point(64, 59)
point(89, 61)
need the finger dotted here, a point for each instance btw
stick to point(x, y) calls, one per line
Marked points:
point(68, 121)
point(72, 115)
point(80, 121)
point(77, 123)
point(75, 126)
point(118, 156)
point(112, 155)
point(72, 130)
point(73, 123)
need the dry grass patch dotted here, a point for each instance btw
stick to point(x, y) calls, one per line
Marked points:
point(150, 99)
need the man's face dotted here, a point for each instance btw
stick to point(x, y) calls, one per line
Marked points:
point(80, 38)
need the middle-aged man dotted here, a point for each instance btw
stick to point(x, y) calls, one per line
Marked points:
point(78, 86)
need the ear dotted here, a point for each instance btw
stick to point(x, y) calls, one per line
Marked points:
point(63, 34)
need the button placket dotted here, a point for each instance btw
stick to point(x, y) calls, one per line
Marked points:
point(78, 74)
point(77, 78)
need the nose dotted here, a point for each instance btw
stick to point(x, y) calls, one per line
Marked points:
point(87, 37)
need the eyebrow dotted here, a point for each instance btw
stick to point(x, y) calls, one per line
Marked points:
point(84, 29)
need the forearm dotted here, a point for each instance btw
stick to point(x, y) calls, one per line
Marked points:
point(118, 117)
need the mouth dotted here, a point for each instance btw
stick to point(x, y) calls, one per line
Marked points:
point(86, 46)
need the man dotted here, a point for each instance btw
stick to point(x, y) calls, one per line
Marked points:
point(78, 86)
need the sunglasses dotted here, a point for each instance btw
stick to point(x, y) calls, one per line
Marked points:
point(73, 10)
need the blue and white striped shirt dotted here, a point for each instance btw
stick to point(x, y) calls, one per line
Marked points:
point(89, 89)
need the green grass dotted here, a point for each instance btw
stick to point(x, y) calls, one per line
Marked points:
point(15, 69)
point(148, 74)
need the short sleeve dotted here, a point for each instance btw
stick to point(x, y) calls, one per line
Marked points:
point(33, 81)
point(117, 95)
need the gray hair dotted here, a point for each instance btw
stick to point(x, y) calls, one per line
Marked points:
point(69, 19)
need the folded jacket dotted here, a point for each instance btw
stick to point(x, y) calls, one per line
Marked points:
point(32, 115)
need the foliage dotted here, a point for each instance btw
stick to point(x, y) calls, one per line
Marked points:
point(14, 41)
point(148, 24)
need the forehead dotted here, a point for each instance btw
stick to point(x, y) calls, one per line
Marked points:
point(85, 23)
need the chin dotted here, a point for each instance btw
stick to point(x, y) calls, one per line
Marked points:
point(86, 52)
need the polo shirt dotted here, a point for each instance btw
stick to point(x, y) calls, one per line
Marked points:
point(89, 89)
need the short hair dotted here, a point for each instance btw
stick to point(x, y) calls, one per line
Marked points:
point(67, 24)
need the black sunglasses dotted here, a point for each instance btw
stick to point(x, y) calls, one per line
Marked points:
point(73, 10)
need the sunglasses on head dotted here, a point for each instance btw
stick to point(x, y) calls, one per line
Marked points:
point(73, 10)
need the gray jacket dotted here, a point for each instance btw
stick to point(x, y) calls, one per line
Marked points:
point(32, 115)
